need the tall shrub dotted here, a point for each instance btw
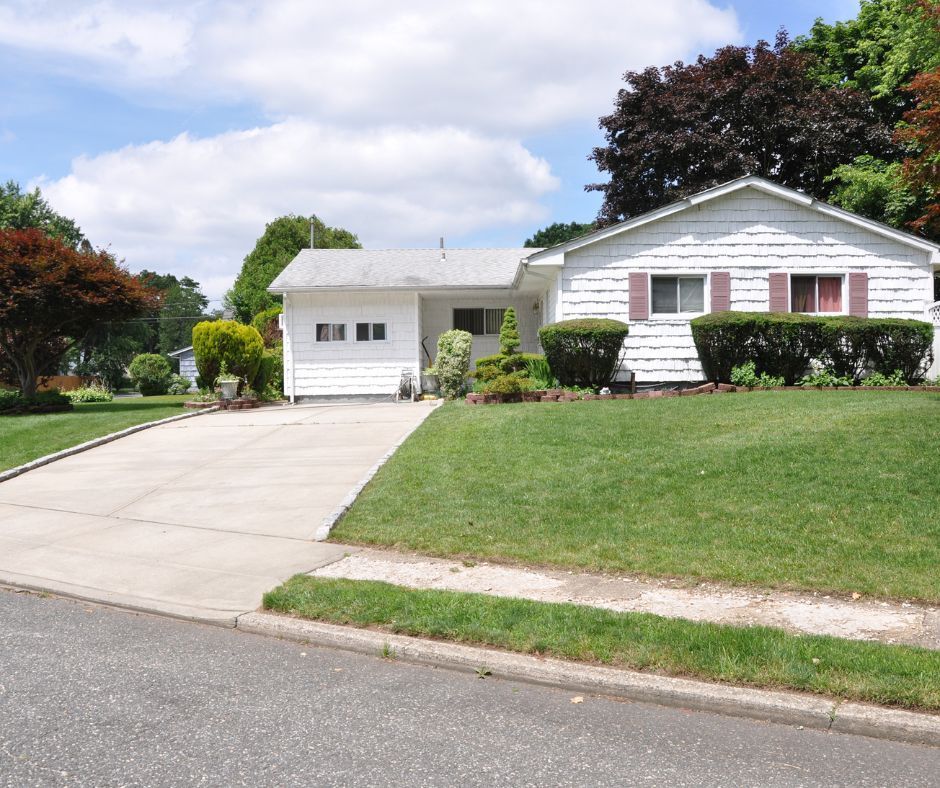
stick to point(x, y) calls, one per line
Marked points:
point(239, 346)
point(584, 352)
point(905, 345)
point(453, 361)
point(266, 324)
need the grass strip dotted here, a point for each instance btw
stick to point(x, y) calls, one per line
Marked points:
point(755, 656)
point(28, 437)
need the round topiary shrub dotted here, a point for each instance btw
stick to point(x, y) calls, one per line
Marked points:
point(150, 373)
point(585, 351)
point(236, 345)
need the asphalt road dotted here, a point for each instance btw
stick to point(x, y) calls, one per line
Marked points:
point(95, 696)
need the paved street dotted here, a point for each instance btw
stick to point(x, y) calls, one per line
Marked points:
point(197, 518)
point(95, 696)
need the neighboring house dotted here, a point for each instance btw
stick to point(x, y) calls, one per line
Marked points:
point(354, 319)
point(187, 360)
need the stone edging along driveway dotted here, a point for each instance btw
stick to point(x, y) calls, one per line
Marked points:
point(61, 455)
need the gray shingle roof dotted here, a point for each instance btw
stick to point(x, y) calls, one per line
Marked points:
point(404, 268)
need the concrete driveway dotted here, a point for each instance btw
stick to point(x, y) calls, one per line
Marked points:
point(196, 518)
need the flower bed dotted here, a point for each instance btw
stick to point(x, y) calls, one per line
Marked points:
point(560, 395)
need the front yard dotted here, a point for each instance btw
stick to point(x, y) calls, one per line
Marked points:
point(833, 491)
point(25, 438)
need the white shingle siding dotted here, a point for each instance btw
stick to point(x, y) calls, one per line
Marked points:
point(748, 234)
point(188, 368)
point(350, 367)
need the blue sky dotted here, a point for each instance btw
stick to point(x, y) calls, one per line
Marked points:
point(173, 131)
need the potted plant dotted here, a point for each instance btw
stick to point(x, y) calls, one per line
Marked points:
point(429, 380)
point(228, 383)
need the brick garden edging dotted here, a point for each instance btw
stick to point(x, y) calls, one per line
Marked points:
point(560, 395)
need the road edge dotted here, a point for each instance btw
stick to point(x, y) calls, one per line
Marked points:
point(94, 442)
point(757, 704)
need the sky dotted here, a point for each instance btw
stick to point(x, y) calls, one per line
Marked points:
point(173, 131)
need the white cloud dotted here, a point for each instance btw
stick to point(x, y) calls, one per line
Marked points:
point(399, 121)
point(196, 206)
point(490, 64)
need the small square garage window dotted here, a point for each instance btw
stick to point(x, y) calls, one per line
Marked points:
point(370, 332)
point(331, 332)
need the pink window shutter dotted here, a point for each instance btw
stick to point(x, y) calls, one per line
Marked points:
point(639, 296)
point(858, 294)
point(778, 292)
point(721, 291)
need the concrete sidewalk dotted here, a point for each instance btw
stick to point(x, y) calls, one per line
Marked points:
point(197, 518)
point(804, 613)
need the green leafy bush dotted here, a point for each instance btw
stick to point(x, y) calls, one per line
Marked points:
point(93, 393)
point(265, 323)
point(453, 361)
point(784, 344)
point(237, 346)
point(178, 384)
point(270, 378)
point(513, 383)
point(489, 367)
point(150, 372)
point(584, 352)
point(52, 401)
point(746, 375)
point(896, 378)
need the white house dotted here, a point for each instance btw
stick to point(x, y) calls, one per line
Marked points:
point(355, 319)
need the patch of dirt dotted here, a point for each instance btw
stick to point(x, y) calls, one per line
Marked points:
point(859, 619)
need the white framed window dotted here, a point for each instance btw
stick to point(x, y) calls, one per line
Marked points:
point(817, 294)
point(331, 332)
point(370, 332)
point(479, 321)
point(674, 295)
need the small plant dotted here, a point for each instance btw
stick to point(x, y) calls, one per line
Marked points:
point(178, 384)
point(745, 375)
point(538, 371)
point(876, 379)
point(387, 651)
point(483, 672)
point(150, 372)
point(225, 376)
point(92, 393)
point(825, 378)
point(206, 395)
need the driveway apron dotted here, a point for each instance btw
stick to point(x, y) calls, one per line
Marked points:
point(197, 518)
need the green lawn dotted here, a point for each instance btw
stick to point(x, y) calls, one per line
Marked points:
point(757, 656)
point(24, 438)
point(835, 491)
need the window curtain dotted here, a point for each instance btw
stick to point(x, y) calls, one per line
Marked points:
point(830, 294)
point(802, 293)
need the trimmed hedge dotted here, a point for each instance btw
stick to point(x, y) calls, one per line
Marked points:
point(784, 343)
point(239, 346)
point(13, 402)
point(584, 352)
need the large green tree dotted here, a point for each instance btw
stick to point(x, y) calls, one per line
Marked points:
point(20, 210)
point(558, 233)
point(879, 52)
point(282, 240)
point(755, 110)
